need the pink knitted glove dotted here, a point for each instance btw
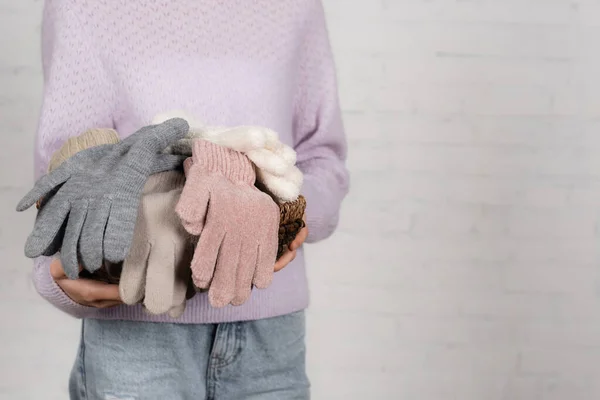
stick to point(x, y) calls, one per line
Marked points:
point(236, 222)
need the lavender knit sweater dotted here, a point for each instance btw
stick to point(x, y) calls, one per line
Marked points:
point(117, 63)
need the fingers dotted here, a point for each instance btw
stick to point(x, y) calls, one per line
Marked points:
point(118, 233)
point(268, 161)
point(92, 235)
point(160, 277)
point(43, 186)
point(245, 273)
point(69, 253)
point(183, 275)
point(194, 202)
point(85, 291)
point(91, 293)
point(286, 258)
point(268, 246)
point(177, 311)
point(153, 137)
point(299, 239)
point(166, 162)
point(170, 131)
point(49, 222)
point(264, 270)
point(56, 270)
point(166, 133)
point(93, 154)
point(293, 174)
point(54, 246)
point(272, 137)
point(145, 145)
point(205, 257)
point(285, 187)
point(106, 303)
point(222, 288)
point(241, 138)
point(187, 165)
point(132, 283)
point(288, 154)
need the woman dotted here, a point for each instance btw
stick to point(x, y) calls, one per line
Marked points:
point(117, 64)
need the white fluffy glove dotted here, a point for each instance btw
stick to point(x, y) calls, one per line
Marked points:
point(285, 187)
point(274, 161)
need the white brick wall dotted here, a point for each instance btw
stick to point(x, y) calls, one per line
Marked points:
point(466, 263)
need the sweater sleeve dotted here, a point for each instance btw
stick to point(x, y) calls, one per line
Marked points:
point(77, 95)
point(319, 136)
point(49, 290)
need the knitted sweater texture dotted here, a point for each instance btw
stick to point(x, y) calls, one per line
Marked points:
point(118, 63)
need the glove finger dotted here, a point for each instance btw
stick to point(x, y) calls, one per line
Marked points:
point(287, 154)
point(45, 185)
point(205, 257)
point(187, 164)
point(128, 142)
point(245, 273)
point(177, 311)
point(194, 202)
point(183, 274)
point(263, 275)
point(155, 138)
point(281, 187)
point(241, 138)
point(180, 297)
point(68, 252)
point(92, 234)
point(272, 139)
point(167, 162)
point(160, 277)
point(222, 287)
point(268, 161)
point(132, 283)
point(54, 247)
point(91, 155)
point(267, 248)
point(49, 222)
point(119, 230)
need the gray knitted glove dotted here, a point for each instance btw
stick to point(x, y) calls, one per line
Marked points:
point(97, 192)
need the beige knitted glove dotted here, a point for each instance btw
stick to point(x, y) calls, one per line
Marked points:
point(90, 138)
point(157, 268)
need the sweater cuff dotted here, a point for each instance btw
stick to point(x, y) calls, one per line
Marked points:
point(322, 213)
point(49, 290)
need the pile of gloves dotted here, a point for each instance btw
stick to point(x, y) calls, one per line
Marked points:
point(175, 208)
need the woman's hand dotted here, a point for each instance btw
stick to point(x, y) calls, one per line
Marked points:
point(290, 253)
point(86, 292)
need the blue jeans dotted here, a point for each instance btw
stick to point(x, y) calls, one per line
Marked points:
point(253, 360)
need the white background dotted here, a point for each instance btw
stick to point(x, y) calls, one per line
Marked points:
point(465, 266)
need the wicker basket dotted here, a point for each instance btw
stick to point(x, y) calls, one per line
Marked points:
point(290, 223)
